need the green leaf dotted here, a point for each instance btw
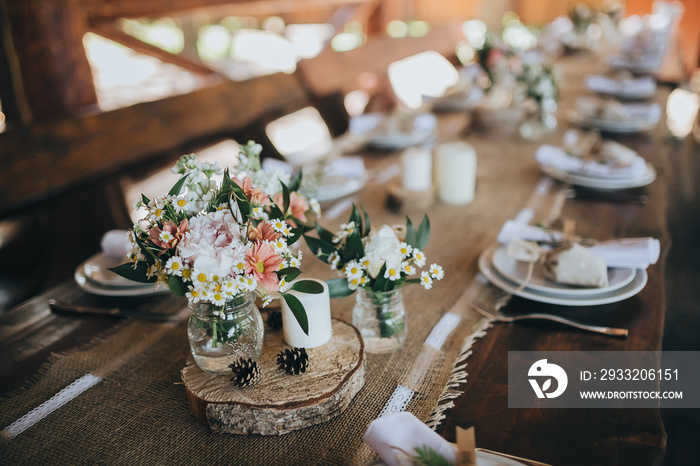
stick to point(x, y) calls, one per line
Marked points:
point(285, 198)
point(428, 457)
point(144, 199)
point(380, 282)
point(177, 187)
point(298, 311)
point(423, 233)
point(308, 287)
point(275, 212)
point(355, 217)
point(324, 234)
point(177, 286)
point(295, 182)
point(137, 274)
point(354, 249)
point(290, 273)
point(411, 235)
point(338, 288)
point(315, 244)
point(367, 225)
point(297, 233)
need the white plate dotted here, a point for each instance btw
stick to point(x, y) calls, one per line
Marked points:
point(486, 267)
point(335, 187)
point(601, 183)
point(613, 126)
point(484, 458)
point(516, 271)
point(138, 290)
point(97, 267)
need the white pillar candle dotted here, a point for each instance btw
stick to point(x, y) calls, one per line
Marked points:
point(318, 312)
point(417, 169)
point(456, 172)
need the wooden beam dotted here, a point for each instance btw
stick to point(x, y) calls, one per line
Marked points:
point(43, 158)
point(110, 31)
point(47, 38)
point(114, 9)
point(332, 72)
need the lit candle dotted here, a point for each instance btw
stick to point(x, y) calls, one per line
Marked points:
point(456, 172)
point(318, 312)
point(417, 169)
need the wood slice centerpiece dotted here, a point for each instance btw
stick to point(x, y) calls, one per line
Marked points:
point(281, 403)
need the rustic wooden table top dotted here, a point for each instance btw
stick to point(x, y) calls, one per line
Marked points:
point(507, 175)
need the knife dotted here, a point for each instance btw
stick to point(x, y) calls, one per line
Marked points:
point(57, 306)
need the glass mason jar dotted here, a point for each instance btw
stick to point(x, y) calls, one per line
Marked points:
point(381, 318)
point(220, 335)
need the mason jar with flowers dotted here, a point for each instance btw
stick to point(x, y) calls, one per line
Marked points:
point(221, 245)
point(376, 263)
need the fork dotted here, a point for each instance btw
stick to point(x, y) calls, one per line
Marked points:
point(498, 317)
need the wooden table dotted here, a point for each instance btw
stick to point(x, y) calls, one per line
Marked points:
point(507, 175)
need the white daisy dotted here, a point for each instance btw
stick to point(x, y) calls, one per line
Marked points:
point(294, 262)
point(364, 262)
point(407, 268)
point(180, 204)
point(239, 267)
point(353, 283)
point(267, 299)
point(353, 269)
point(405, 249)
point(193, 295)
point(200, 279)
point(218, 298)
point(174, 266)
point(426, 281)
point(280, 226)
point(392, 274)
point(418, 257)
point(436, 271)
point(280, 245)
point(334, 260)
point(283, 265)
point(284, 286)
point(315, 206)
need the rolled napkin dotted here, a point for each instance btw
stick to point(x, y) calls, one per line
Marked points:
point(396, 436)
point(559, 159)
point(116, 244)
point(642, 86)
point(346, 166)
point(593, 107)
point(626, 253)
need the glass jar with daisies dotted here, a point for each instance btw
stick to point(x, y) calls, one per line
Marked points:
point(221, 244)
point(376, 263)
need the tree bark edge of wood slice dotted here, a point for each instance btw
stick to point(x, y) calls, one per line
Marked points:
point(282, 403)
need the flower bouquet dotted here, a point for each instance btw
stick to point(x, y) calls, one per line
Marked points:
point(378, 263)
point(219, 244)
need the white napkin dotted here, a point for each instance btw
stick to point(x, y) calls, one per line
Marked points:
point(558, 159)
point(115, 243)
point(352, 166)
point(593, 107)
point(400, 433)
point(644, 85)
point(627, 253)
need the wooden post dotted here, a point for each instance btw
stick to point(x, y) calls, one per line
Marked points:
point(47, 38)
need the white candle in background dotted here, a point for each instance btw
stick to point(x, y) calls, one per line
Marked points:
point(456, 172)
point(318, 312)
point(417, 169)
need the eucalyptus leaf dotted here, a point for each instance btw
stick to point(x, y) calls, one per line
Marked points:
point(354, 249)
point(144, 199)
point(380, 283)
point(411, 235)
point(423, 233)
point(316, 244)
point(137, 274)
point(355, 217)
point(298, 311)
point(297, 233)
point(338, 288)
point(308, 287)
point(324, 234)
point(367, 225)
point(285, 199)
point(295, 182)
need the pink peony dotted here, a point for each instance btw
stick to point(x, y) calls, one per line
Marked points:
point(213, 243)
point(261, 263)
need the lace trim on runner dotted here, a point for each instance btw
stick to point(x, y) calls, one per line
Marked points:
point(72, 391)
point(442, 330)
point(397, 401)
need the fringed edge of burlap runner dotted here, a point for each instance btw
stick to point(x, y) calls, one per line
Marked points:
point(454, 387)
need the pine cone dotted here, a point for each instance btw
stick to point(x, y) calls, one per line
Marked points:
point(293, 361)
point(246, 372)
point(274, 320)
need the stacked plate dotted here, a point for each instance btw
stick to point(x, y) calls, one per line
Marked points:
point(632, 117)
point(508, 274)
point(604, 183)
point(94, 276)
point(394, 132)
